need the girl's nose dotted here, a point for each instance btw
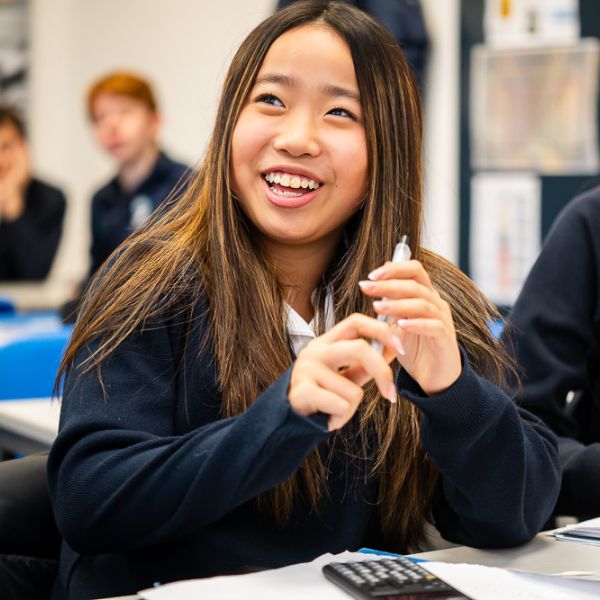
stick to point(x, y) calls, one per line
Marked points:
point(297, 137)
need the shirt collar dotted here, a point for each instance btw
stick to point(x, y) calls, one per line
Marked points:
point(301, 332)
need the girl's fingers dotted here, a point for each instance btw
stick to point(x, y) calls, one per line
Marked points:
point(425, 327)
point(308, 399)
point(410, 269)
point(352, 353)
point(338, 384)
point(330, 371)
point(408, 308)
point(360, 377)
point(360, 326)
point(336, 422)
point(398, 289)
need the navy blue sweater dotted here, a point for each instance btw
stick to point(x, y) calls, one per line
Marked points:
point(29, 244)
point(150, 484)
point(556, 338)
point(112, 206)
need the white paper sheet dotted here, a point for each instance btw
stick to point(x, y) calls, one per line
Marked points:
point(296, 582)
point(491, 583)
point(592, 523)
point(302, 581)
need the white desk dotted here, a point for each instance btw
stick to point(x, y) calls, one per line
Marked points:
point(28, 426)
point(543, 554)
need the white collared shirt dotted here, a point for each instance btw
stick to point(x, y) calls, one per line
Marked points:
point(300, 331)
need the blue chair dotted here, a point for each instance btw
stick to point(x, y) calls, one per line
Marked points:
point(496, 327)
point(28, 364)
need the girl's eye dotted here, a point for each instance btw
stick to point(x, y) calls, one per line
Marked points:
point(342, 112)
point(270, 99)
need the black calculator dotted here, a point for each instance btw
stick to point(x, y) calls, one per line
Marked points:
point(388, 579)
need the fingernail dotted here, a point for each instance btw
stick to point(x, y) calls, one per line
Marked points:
point(381, 304)
point(376, 274)
point(398, 345)
point(401, 322)
point(391, 393)
point(366, 285)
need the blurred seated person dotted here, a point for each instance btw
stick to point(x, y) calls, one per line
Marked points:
point(556, 337)
point(124, 115)
point(31, 211)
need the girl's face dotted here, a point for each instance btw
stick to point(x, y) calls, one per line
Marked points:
point(299, 155)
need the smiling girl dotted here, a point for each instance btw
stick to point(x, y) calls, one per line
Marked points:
point(223, 408)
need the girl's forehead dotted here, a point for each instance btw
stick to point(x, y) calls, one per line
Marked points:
point(305, 41)
point(310, 55)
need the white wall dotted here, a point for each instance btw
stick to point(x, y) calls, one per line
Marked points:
point(184, 47)
point(442, 128)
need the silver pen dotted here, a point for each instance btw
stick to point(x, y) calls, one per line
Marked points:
point(401, 253)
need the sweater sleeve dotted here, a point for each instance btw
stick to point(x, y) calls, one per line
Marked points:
point(580, 490)
point(120, 478)
point(498, 464)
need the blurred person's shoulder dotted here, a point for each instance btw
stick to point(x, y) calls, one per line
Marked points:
point(586, 203)
point(44, 197)
point(108, 192)
point(171, 167)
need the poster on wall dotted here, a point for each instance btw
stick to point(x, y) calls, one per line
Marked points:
point(535, 109)
point(13, 53)
point(517, 23)
point(505, 232)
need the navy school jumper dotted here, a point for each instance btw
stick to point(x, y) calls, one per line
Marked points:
point(151, 484)
point(556, 340)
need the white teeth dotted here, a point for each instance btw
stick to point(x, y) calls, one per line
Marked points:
point(286, 193)
point(292, 181)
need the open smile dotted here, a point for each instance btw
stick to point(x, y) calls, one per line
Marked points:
point(290, 190)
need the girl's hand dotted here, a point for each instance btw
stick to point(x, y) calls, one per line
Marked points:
point(330, 371)
point(422, 321)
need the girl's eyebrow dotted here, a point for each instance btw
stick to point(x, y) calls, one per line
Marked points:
point(334, 91)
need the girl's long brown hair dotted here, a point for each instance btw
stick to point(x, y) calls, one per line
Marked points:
point(201, 244)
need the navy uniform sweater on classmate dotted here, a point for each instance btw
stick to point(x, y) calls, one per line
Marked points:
point(556, 339)
point(28, 244)
point(151, 484)
point(112, 206)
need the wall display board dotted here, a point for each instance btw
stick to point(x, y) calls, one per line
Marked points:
point(528, 106)
point(13, 52)
point(519, 23)
point(505, 232)
point(529, 112)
